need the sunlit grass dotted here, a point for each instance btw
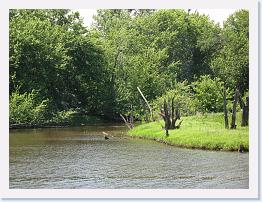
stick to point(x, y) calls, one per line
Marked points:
point(203, 132)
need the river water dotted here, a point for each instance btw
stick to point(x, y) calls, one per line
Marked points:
point(80, 157)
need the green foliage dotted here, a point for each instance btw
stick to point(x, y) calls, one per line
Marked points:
point(73, 117)
point(208, 94)
point(183, 99)
point(26, 108)
point(63, 117)
point(231, 64)
point(131, 63)
point(51, 52)
point(153, 51)
point(97, 71)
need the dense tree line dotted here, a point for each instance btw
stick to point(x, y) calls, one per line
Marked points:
point(61, 66)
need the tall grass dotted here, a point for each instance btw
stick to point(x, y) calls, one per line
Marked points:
point(202, 132)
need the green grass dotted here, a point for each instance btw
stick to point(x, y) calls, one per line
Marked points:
point(202, 132)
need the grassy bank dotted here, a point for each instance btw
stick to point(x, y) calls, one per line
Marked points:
point(202, 132)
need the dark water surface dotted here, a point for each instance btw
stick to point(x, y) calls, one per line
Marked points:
point(80, 157)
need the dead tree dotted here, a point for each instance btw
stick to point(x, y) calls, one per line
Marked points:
point(170, 114)
point(166, 115)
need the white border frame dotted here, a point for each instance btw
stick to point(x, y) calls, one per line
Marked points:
point(252, 192)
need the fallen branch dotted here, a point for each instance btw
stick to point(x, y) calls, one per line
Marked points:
point(150, 109)
point(126, 122)
point(106, 134)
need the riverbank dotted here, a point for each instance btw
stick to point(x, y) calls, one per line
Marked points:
point(73, 120)
point(200, 132)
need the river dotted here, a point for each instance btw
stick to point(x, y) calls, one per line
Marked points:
point(80, 157)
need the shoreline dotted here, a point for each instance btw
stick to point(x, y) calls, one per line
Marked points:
point(26, 126)
point(198, 132)
point(205, 132)
point(183, 147)
point(75, 120)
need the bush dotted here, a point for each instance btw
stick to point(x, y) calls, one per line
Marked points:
point(64, 117)
point(26, 109)
point(183, 99)
point(208, 94)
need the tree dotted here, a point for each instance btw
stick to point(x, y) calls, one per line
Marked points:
point(52, 53)
point(231, 63)
point(131, 62)
point(153, 50)
point(157, 50)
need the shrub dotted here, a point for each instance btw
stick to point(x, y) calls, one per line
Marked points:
point(64, 117)
point(208, 95)
point(183, 99)
point(26, 109)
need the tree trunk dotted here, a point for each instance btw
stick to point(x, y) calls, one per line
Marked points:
point(245, 111)
point(167, 116)
point(132, 118)
point(167, 134)
point(225, 108)
point(170, 114)
point(173, 122)
point(233, 122)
